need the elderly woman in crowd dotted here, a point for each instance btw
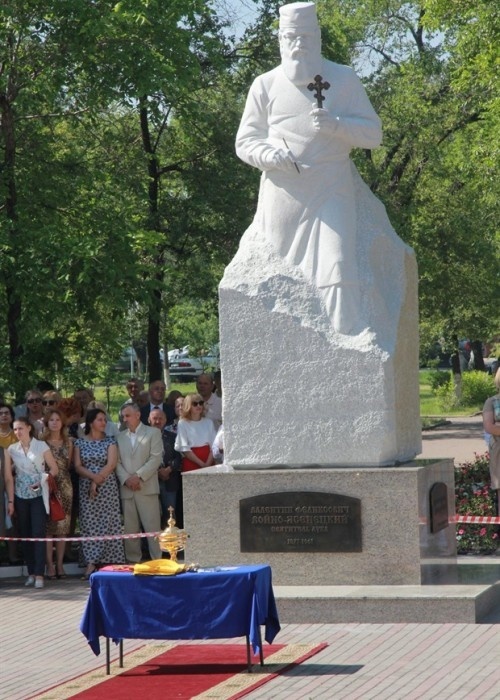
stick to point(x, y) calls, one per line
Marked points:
point(7, 435)
point(195, 434)
point(491, 423)
point(25, 480)
point(61, 446)
point(34, 410)
point(96, 456)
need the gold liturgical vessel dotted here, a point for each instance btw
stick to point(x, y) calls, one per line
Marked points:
point(172, 540)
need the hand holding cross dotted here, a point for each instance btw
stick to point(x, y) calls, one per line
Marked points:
point(319, 85)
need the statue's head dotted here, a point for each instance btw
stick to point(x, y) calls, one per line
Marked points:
point(300, 42)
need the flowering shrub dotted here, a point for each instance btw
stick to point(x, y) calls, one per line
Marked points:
point(474, 496)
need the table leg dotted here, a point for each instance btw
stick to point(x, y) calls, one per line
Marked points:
point(108, 660)
point(249, 663)
point(261, 649)
point(121, 653)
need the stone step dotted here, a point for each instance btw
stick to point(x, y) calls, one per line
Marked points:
point(382, 604)
point(467, 591)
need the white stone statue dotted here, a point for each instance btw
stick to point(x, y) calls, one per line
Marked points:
point(306, 203)
point(318, 309)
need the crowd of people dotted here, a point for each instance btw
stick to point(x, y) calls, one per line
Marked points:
point(111, 478)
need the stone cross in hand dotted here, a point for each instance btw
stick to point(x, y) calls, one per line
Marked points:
point(318, 85)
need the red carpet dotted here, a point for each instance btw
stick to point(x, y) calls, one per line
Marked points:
point(187, 671)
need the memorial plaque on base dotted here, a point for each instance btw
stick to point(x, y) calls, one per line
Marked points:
point(438, 495)
point(300, 521)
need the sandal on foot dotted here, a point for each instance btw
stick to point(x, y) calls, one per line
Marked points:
point(88, 572)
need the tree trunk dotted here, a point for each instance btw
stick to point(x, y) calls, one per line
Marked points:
point(12, 296)
point(456, 369)
point(155, 370)
point(477, 349)
point(154, 307)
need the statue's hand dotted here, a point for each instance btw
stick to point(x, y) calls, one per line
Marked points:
point(280, 159)
point(323, 121)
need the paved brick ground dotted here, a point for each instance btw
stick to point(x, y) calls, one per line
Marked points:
point(41, 645)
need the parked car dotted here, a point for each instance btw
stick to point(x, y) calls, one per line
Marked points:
point(175, 353)
point(184, 369)
point(127, 362)
point(211, 360)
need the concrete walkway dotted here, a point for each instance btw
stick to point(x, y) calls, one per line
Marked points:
point(41, 645)
point(458, 438)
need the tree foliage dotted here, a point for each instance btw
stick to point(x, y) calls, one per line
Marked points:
point(121, 199)
point(430, 69)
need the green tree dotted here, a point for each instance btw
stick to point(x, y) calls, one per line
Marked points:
point(62, 236)
point(430, 68)
point(98, 174)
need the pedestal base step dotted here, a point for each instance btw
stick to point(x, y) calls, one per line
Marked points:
point(379, 604)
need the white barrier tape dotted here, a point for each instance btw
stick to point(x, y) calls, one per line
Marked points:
point(81, 539)
point(467, 519)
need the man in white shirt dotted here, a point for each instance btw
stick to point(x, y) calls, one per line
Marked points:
point(140, 453)
point(134, 387)
point(205, 386)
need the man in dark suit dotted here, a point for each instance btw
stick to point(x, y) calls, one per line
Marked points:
point(169, 472)
point(157, 390)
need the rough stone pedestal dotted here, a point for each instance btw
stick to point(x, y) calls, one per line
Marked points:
point(296, 392)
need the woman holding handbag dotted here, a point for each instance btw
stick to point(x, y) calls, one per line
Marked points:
point(27, 491)
point(61, 446)
point(195, 434)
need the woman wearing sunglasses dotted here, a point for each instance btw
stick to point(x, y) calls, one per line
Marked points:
point(7, 435)
point(195, 435)
point(51, 399)
point(34, 410)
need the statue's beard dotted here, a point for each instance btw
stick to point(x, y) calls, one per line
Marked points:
point(300, 67)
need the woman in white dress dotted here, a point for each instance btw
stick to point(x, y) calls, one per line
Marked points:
point(195, 435)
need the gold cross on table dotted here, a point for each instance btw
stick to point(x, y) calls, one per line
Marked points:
point(318, 85)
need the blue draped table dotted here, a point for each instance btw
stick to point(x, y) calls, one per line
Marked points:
point(216, 603)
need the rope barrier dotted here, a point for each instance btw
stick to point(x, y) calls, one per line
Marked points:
point(477, 519)
point(464, 519)
point(82, 538)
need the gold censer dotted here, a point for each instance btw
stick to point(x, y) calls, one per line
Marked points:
point(172, 540)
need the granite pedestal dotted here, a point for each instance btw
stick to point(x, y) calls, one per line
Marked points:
point(397, 545)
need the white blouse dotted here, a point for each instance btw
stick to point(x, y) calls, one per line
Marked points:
point(194, 433)
point(29, 468)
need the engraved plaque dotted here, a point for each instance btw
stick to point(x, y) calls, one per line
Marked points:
point(438, 511)
point(300, 521)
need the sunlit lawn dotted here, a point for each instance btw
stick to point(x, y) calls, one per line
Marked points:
point(429, 404)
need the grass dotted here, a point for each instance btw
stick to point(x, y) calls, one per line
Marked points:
point(429, 404)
